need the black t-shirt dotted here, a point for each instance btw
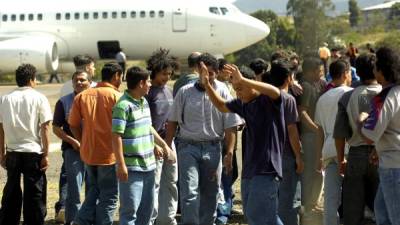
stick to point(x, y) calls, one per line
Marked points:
point(60, 120)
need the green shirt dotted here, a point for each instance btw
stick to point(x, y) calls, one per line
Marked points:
point(132, 120)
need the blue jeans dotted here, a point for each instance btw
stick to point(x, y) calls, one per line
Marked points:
point(165, 194)
point(260, 200)
point(101, 198)
point(75, 169)
point(136, 198)
point(387, 207)
point(289, 191)
point(332, 193)
point(199, 180)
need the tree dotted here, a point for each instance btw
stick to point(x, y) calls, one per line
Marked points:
point(310, 23)
point(354, 11)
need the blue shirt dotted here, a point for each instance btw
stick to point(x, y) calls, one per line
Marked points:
point(265, 135)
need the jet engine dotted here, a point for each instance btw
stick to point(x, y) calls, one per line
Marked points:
point(40, 51)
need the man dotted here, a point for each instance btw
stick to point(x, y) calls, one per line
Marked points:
point(324, 54)
point(120, 57)
point(382, 127)
point(25, 117)
point(325, 114)
point(281, 76)
point(360, 181)
point(90, 123)
point(70, 146)
point(199, 141)
point(260, 104)
point(259, 66)
point(188, 78)
point(81, 62)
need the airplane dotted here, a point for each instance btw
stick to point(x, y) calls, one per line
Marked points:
point(48, 33)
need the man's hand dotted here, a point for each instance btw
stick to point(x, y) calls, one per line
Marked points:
point(76, 145)
point(122, 172)
point(342, 167)
point(169, 154)
point(204, 75)
point(158, 152)
point(3, 161)
point(373, 158)
point(299, 165)
point(228, 158)
point(44, 163)
point(235, 75)
point(320, 166)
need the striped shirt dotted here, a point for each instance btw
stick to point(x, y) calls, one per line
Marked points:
point(132, 119)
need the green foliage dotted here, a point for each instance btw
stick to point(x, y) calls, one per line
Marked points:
point(354, 10)
point(7, 79)
point(310, 22)
point(392, 40)
point(281, 35)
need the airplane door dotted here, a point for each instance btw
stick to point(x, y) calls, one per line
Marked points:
point(179, 20)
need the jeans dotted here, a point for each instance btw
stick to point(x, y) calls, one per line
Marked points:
point(260, 200)
point(136, 198)
point(165, 194)
point(101, 198)
point(35, 187)
point(62, 187)
point(75, 177)
point(199, 180)
point(387, 207)
point(311, 179)
point(360, 184)
point(332, 193)
point(289, 191)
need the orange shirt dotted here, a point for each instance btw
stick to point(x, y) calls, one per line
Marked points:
point(92, 109)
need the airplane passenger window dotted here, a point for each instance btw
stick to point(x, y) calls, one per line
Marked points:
point(4, 18)
point(22, 17)
point(114, 15)
point(58, 16)
point(123, 14)
point(224, 10)
point(142, 14)
point(105, 15)
point(95, 15)
point(86, 15)
point(133, 14)
point(40, 16)
point(152, 13)
point(76, 16)
point(67, 16)
point(30, 17)
point(214, 10)
point(161, 13)
point(13, 17)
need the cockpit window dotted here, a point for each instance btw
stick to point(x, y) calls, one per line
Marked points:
point(224, 10)
point(214, 10)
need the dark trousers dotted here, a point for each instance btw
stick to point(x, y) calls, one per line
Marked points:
point(62, 187)
point(360, 185)
point(34, 196)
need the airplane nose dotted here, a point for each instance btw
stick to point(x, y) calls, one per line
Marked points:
point(256, 30)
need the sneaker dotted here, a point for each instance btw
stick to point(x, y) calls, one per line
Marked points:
point(60, 216)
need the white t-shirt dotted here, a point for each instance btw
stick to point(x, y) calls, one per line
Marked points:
point(325, 115)
point(68, 88)
point(383, 126)
point(22, 112)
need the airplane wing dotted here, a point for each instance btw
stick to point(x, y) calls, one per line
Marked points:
point(39, 50)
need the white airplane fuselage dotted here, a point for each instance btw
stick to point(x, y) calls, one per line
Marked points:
point(45, 31)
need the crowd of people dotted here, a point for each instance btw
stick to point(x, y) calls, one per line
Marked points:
point(328, 123)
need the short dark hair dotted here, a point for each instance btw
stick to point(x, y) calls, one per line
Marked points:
point(221, 63)
point(258, 65)
point(24, 74)
point(134, 75)
point(76, 73)
point(310, 64)
point(365, 66)
point(192, 59)
point(82, 60)
point(281, 69)
point(247, 72)
point(161, 60)
point(109, 69)
point(388, 62)
point(338, 68)
point(280, 54)
point(209, 60)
